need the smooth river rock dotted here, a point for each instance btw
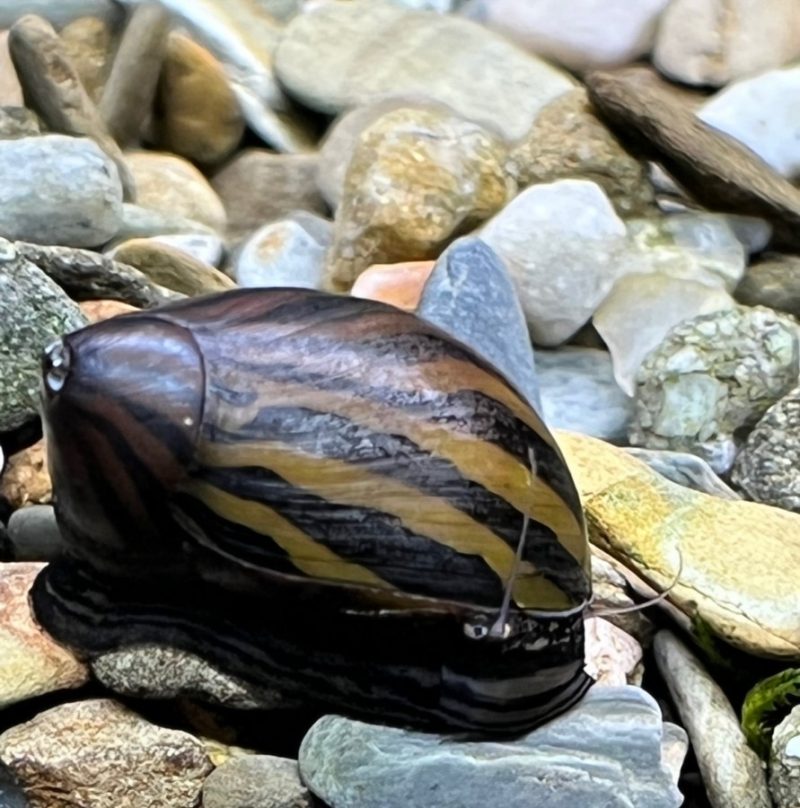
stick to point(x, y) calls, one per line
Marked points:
point(784, 774)
point(256, 780)
point(656, 527)
point(606, 751)
point(773, 281)
point(58, 190)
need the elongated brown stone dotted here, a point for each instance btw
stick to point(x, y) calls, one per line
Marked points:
point(718, 171)
point(53, 88)
point(131, 87)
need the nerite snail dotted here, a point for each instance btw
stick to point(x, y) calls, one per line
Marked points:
point(324, 495)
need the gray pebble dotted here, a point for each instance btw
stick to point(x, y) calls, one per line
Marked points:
point(34, 534)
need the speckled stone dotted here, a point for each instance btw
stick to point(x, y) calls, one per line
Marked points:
point(418, 178)
point(567, 141)
point(656, 528)
point(33, 663)
point(342, 55)
point(33, 312)
point(18, 122)
point(710, 377)
point(99, 753)
point(767, 468)
point(256, 780)
point(605, 751)
point(26, 480)
point(732, 773)
point(784, 766)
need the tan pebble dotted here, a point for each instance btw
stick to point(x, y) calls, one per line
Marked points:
point(399, 285)
point(26, 480)
point(97, 310)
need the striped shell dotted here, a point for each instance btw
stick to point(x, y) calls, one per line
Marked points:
point(340, 461)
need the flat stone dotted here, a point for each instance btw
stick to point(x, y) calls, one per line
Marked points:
point(201, 119)
point(755, 112)
point(33, 312)
point(470, 295)
point(567, 141)
point(89, 44)
point(262, 780)
point(34, 534)
point(18, 122)
point(720, 173)
point(579, 35)
point(606, 751)
point(140, 222)
point(172, 268)
point(61, 13)
point(684, 469)
point(773, 281)
point(399, 285)
point(419, 177)
point(732, 773)
point(579, 393)
point(161, 672)
point(784, 769)
point(561, 242)
point(257, 187)
point(58, 190)
point(53, 89)
point(288, 252)
point(342, 55)
point(712, 376)
point(767, 469)
point(26, 480)
point(656, 527)
point(173, 186)
point(33, 663)
point(87, 275)
point(104, 755)
point(131, 86)
point(639, 312)
point(713, 42)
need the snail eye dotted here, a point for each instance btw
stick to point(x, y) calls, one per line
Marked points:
point(56, 366)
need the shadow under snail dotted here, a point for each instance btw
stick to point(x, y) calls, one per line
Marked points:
point(323, 495)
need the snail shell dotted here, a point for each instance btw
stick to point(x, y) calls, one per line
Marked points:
point(347, 486)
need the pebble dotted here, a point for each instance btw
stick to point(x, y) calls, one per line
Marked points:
point(11, 794)
point(641, 310)
point(773, 281)
point(610, 591)
point(399, 285)
point(579, 393)
point(342, 55)
point(131, 86)
point(204, 247)
point(561, 242)
point(201, 119)
point(256, 780)
point(97, 310)
point(89, 44)
point(174, 187)
point(58, 190)
point(33, 663)
point(470, 295)
point(613, 657)
point(87, 275)
point(53, 89)
point(784, 768)
point(18, 122)
point(642, 518)
point(580, 35)
point(156, 671)
point(684, 469)
point(99, 753)
point(713, 42)
point(418, 178)
point(258, 186)
point(26, 480)
point(755, 112)
point(732, 772)
point(172, 268)
point(567, 141)
point(718, 172)
point(288, 252)
point(140, 222)
point(33, 312)
point(605, 751)
point(34, 534)
point(767, 469)
point(61, 13)
point(712, 376)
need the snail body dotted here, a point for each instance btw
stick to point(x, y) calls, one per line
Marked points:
point(324, 495)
